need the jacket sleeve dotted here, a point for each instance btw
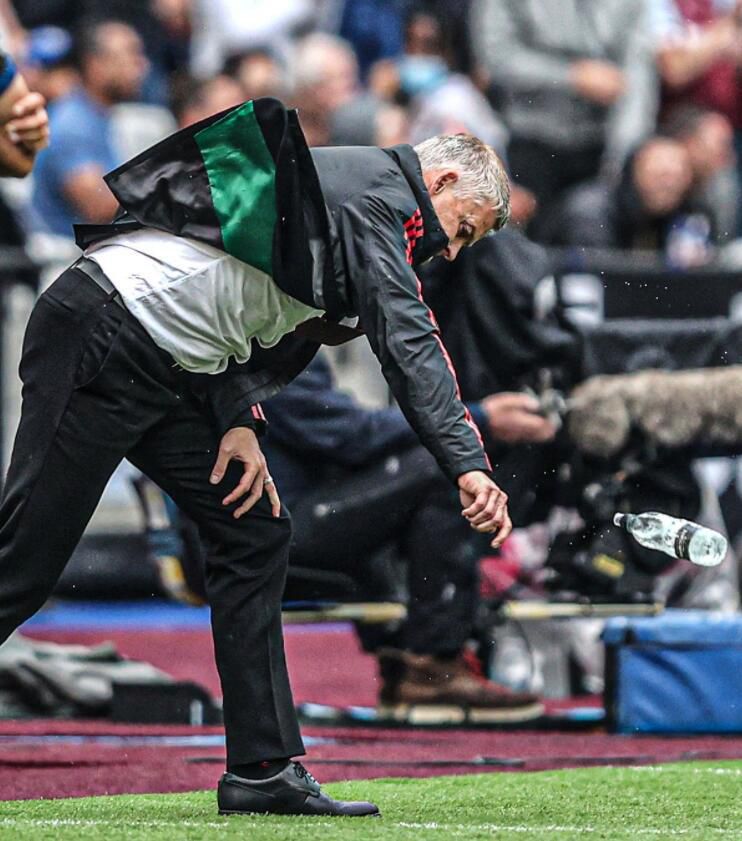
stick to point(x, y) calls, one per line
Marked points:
point(312, 416)
point(404, 335)
point(223, 395)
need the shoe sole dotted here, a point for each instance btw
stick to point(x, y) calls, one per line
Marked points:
point(452, 714)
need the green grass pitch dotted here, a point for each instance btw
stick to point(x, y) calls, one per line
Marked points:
point(699, 800)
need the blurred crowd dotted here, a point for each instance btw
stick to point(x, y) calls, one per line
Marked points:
point(619, 119)
point(620, 122)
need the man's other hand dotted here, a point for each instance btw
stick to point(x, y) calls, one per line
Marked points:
point(241, 444)
point(513, 417)
point(485, 505)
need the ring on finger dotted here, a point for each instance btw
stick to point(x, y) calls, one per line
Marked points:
point(269, 480)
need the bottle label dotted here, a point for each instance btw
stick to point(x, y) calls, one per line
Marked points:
point(683, 538)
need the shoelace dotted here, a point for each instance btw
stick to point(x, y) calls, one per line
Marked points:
point(302, 773)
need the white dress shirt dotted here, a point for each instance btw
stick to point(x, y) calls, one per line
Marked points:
point(198, 303)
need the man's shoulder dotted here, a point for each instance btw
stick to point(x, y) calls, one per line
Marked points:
point(349, 175)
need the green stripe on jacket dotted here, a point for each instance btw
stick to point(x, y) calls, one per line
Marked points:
point(242, 176)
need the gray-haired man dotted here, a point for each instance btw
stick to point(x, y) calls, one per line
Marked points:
point(237, 250)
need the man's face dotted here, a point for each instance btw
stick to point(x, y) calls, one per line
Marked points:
point(464, 220)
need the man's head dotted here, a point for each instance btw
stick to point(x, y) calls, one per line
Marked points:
point(111, 60)
point(468, 187)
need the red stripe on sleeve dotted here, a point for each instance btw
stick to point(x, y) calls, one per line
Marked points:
point(449, 363)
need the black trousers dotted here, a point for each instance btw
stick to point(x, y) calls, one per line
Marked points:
point(404, 500)
point(96, 389)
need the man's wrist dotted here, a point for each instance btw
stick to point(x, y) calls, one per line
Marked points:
point(246, 420)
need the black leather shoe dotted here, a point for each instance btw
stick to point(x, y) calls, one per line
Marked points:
point(293, 791)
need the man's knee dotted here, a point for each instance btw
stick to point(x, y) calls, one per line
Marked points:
point(254, 543)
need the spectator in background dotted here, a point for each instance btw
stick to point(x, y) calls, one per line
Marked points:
point(193, 100)
point(69, 186)
point(224, 27)
point(48, 63)
point(357, 480)
point(708, 138)
point(368, 121)
point(649, 208)
point(698, 46)
point(259, 73)
point(325, 79)
point(163, 26)
point(441, 102)
point(454, 22)
point(373, 27)
point(577, 85)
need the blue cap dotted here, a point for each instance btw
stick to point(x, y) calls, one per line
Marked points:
point(47, 46)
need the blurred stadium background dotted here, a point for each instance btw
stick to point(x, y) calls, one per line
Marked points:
point(621, 124)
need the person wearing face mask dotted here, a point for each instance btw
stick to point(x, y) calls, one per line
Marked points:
point(436, 95)
point(575, 84)
point(236, 252)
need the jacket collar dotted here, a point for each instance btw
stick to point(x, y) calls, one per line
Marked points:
point(434, 238)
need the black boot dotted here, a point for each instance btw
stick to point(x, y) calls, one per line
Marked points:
point(293, 791)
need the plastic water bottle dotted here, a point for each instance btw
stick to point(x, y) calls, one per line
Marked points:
point(675, 537)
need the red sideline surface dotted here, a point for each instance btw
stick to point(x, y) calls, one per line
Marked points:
point(326, 667)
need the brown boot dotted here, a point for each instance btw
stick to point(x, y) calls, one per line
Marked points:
point(424, 689)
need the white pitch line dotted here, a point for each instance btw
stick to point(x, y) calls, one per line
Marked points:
point(661, 769)
point(83, 822)
point(463, 829)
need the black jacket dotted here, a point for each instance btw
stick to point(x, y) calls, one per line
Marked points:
point(380, 225)
point(383, 226)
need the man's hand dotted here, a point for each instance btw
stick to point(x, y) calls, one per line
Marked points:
point(485, 505)
point(29, 123)
point(513, 417)
point(241, 444)
point(598, 81)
